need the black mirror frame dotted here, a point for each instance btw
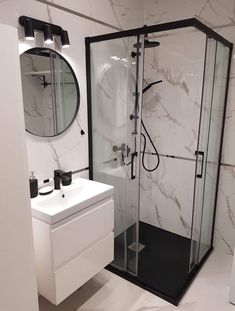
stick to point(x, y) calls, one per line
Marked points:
point(77, 89)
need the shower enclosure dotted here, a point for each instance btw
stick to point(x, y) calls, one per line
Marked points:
point(165, 197)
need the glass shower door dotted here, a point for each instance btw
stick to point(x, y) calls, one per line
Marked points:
point(116, 91)
point(208, 149)
point(213, 148)
point(201, 152)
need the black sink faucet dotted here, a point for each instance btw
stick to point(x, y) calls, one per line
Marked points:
point(60, 175)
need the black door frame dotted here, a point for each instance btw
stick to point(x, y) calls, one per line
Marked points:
point(191, 22)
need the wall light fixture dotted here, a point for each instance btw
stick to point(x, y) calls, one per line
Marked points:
point(49, 30)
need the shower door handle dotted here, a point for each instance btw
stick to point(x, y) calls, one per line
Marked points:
point(201, 153)
point(133, 155)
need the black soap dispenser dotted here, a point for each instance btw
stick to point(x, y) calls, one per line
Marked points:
point(33, 185)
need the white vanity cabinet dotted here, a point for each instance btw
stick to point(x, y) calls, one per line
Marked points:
point(72, 250)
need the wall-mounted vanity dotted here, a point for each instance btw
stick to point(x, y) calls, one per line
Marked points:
point(73, 236)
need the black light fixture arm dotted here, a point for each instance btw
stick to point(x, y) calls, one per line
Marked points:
point(30, 24)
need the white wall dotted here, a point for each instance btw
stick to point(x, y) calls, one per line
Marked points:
point(17, 282)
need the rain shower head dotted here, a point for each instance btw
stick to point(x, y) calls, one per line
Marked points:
point(150, 85)
point(147, 43)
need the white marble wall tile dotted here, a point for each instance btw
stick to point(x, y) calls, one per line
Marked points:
point(171, 109)
point(228, 154)
point(167, 195)
point(171, 112)
point(123, 14)
point(225, 215)
point(211, 12)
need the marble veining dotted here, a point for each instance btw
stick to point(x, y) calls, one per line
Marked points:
point(177, 80)
point(55, 155)
point(171, 113)
point(225, 217)
point(214, 13)
point(34, 110)
point(114, 3)
point(163, 202)
point(49, 13)
point(229, 248)
point(191, 146)
point(215, 7)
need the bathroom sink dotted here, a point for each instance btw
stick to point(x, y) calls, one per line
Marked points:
point(71, 199)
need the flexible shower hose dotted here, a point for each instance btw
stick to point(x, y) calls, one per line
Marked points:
point(144, 149)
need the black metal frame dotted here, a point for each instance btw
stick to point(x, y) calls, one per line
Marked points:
point(192, 22)
point(222, 139)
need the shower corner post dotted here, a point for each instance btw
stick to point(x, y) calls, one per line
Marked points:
point(193, 258)
point(89, 108)
point(222, 138)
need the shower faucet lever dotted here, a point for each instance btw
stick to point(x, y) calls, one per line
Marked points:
point(121, 148)
point(132, 117)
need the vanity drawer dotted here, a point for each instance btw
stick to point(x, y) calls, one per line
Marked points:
point(79, 270)
point(81, 232)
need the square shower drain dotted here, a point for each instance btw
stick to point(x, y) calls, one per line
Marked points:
point(133, 247)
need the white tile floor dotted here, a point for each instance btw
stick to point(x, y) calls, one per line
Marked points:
point(108, 292)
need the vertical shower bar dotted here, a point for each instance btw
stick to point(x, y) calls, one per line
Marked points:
point(137, 137)
point(140, 103)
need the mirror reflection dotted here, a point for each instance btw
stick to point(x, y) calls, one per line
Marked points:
point(50, 92)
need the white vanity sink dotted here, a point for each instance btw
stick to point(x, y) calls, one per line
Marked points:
point(71, 199)
point(73, 236)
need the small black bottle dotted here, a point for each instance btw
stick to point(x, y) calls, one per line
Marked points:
point(33, 185)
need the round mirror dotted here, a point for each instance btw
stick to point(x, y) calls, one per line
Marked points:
point(50, 92)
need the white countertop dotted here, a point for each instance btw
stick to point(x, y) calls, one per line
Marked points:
point(81, 194)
